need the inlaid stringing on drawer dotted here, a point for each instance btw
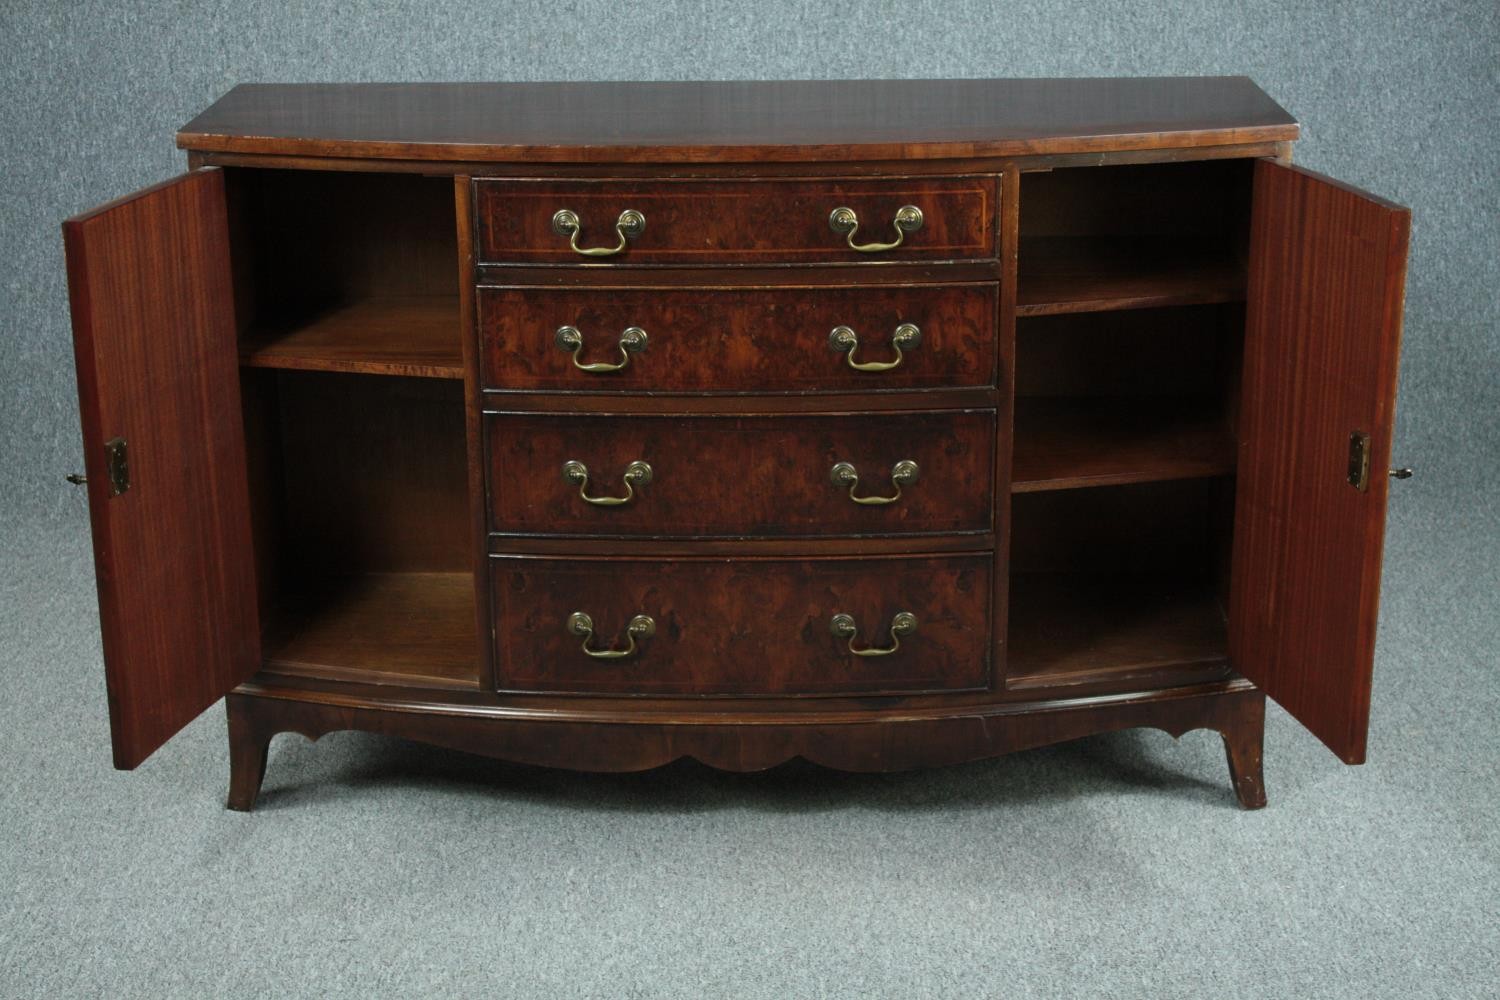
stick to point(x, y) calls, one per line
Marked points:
point(765, 476)
point(751, 627)
point(706, 222)
point(738, 339)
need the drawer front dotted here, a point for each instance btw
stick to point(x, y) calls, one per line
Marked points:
point(752, 627)
point(733, 221)
point(740, 476)
point(707, 339)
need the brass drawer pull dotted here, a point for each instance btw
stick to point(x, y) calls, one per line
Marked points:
point(846, 341)
point(632, 341)
point(844, 221)
point(637, 473)
point(903, 473)
point(905, 623)
point(640, 627)
point(629, 225)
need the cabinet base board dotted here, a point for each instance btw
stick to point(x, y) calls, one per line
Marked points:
point(880, 740)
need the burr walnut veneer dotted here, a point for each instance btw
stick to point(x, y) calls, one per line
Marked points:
point(883, 424)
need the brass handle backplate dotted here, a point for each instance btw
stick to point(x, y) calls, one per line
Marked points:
point(637, 473)
point(628, 226)
point(845, 222)
point(640, 627)
point(903, 473)
point(845, 341)
point(905, 623)
point(632, 341)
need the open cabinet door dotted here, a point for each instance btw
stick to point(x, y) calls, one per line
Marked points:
point(163, 440)
point(1323, 328)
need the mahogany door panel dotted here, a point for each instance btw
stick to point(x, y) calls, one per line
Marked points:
point(734, 221)
point(742, 627)
point(1323, 326)
point(741, 476)
point(739, 339)
point(163, 442)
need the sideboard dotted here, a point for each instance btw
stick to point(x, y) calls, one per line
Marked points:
point(882, 424)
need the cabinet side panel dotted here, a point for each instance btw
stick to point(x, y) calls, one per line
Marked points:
point(154, 339)
point(463, 204)
point(1323, 324)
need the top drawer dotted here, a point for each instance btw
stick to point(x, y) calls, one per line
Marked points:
point(735, 221)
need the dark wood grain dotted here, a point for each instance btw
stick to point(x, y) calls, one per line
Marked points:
point(734, 627)
point(373, 475)
point(763, 168)
point(1323, 329)
point(418, 337)
point(738, 338)
point(1069, 442)
point(727, 404)
point(1172, 527)
point(1191, 351)
point(734, 221)
point(1132, 237)
point(1066, 274)
point(416, 551)
point(732, 121)
point(1203, 199)
point(741, 476)
point(1126, 631)
point(307, 241)
point(1243, 739)
point(154, 340)
point(415, 629)
point(1010, 221)
point(870, 740)
point(478, 530)
point(782, 545)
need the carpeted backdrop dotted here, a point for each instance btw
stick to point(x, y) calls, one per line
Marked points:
point(1115, 866)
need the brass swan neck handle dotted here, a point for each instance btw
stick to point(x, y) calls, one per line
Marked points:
point(628, 226)
point(640, 627)
point(845, 222)
point(843, 626)
point(637, 473)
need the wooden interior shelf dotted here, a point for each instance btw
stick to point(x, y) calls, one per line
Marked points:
point(406, 628)
point(1078, 629)
point(416, 336)
point(1071, 274)
point(1069, 442)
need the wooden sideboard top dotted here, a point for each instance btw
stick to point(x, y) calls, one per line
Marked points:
point(728, 122)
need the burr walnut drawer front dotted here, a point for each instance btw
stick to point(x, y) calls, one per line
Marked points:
point(741, 476)
point(781, 221)
point(699, 338)
point(742, 627)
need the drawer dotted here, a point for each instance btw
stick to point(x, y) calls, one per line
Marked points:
point(740, 476)
point(738, 339)
point(732, 221)
point(749, 627)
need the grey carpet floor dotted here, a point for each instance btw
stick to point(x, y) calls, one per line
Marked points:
point(1114, 866)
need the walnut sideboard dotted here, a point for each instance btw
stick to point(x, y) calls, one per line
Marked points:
point(882, 424)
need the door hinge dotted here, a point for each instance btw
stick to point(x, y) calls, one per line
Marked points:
point(1359, 461)
point(117, 465)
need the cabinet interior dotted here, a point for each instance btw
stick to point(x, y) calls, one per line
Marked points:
point(352, 385)
point(1129, 334)
point(1129, 331)
point(346, 272)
